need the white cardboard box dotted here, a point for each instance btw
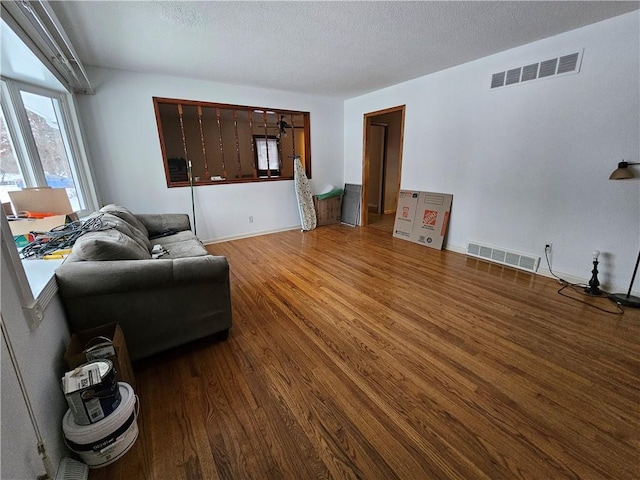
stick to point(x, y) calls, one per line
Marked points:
point(405, 214)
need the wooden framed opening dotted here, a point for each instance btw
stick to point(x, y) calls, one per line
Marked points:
point(382, 160)
point(220, 143)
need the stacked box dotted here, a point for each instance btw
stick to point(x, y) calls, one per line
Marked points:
point(106, 341)
point(328, 210)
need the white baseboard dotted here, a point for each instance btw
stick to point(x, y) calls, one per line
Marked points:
point(545, 272)
point(249, 235)
point(457, 249)
point(541, 271)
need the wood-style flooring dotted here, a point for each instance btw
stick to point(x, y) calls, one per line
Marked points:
point(355, 355)
point(383, 222)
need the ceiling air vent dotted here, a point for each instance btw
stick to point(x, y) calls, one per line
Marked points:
point(497, 80)
point(568, 63)
point(548, 68)
point(522, 261)
point(562, 65)
point(530, 72)
point(513, 76)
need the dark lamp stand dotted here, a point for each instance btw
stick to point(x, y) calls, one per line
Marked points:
point(623, 172)
point(594, 283)
point(627, 299)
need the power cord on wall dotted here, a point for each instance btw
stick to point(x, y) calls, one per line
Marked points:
point(579, 288)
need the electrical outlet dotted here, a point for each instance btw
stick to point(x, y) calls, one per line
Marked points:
point(250, 218)
point(548, 247)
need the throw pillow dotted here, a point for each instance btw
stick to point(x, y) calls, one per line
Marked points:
point(127, 216)
point(109, 245)
point(123, 227)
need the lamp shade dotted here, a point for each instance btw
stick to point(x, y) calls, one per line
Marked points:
point(622, 172)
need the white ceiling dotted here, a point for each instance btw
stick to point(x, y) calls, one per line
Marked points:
point(328, 48)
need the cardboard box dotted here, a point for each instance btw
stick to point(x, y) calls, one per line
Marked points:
point(431, 219)
point(405, 214)
point(50, 200)
point(23, 226)
point(115, 350)
point(92, 392)
point(328, 210)
point(41, 200)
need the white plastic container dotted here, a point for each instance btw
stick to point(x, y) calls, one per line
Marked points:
point(104, 442)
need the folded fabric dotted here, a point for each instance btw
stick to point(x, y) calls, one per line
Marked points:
point(333, 193)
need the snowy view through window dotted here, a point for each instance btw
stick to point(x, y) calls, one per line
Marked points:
point(43, 117)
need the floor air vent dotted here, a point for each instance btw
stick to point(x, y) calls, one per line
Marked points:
point(522, 261)
point(563, 65)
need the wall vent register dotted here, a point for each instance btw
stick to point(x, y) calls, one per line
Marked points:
point(522, 261)
point(562, 65)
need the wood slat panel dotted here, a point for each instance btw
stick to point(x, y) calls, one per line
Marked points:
point(357, 355)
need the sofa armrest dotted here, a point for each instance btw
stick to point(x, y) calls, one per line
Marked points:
point(88, 279)
point(157, 224)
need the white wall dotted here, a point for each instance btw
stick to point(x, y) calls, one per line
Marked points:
point(40, 357)
point(528, 164)
point(120, 129)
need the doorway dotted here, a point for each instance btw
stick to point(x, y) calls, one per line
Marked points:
point(382, 166)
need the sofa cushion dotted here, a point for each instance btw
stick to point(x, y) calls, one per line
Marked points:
point(109, 245)
point(177, 237)
point(185, 249)
point(126, 215)
point(123, 227)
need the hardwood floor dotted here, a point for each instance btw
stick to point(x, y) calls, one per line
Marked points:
point(357, 355)
point(382, 222)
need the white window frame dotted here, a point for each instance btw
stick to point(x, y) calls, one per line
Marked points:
point(37, 286)
point(25, 147)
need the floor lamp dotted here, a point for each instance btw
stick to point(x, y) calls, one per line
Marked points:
point(623, 172)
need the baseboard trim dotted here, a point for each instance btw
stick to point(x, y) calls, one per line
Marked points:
point(545, 272)
point(252, 234)
point(541, 271)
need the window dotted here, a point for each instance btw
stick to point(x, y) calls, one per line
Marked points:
point(267, 156)
point(10, 173)
point(230, 143)
point(38, 146)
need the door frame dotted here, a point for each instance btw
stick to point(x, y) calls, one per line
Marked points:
point(368, 119)
point(383, 164)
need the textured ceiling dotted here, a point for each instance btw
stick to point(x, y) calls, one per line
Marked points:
point(328, 48)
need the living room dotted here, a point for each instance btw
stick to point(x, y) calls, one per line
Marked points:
point(527, 165)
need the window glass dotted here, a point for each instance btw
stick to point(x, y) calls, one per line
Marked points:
point(46, 126)
point(11, 177)
point(268, 156)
